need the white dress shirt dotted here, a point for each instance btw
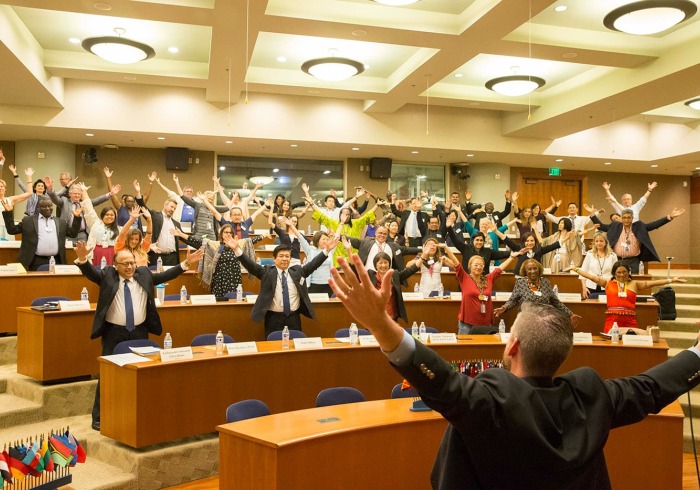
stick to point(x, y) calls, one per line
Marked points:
point(277, 303)
point(47, 233)
point(166, 241)
point(376, 248)
point(116, 313)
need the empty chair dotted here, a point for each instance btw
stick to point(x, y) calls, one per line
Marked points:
point(153, 267)
point(124, 347)
point(209, 339)
point(345, 332)
point(293, 334)
point(232, 294)
point(339, 396)
point(433, 294)
point(246, 409)
point(483, 330)
point(173, 297)
point(42, 300)
point(397, 392)
point(427, 330)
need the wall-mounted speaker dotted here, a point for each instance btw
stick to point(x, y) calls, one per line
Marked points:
point(176, 158)
point(90, 155)
point(379, 168)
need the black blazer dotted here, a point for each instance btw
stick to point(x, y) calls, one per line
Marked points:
point(157, 221)
point(641, 231)
point(421, 218)
point(548, 434)
point(108, 280)
point(396, 279)
point(268, 282)
point(29, 226)
point(397, 251)
point(498, 216)
point(468, 251)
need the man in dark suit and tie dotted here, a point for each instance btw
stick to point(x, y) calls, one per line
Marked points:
point(413, 222)
point(491, 214)
point(518, 427)
point(367, 248)
point(126, 309)
point(283, 289)
point(43, 236)
point(165, 244)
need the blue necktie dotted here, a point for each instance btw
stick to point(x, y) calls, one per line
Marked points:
point(285, 295)
point(128, 308)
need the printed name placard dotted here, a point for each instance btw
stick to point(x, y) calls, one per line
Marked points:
point(502, 296)
point(570, 297)
point(308, 343)
point(251, 298)
point(319, 297)
point(202, 299)
point(66, 269)
point(602, 298)
point(640, 340)
point(368, 340)
point(74, 305)
point(8, 270)
point(177, 354)
point(583, 338)
point(413, 296)
point(443, 338)
point(504, 337)
point(456, 296)
point(241, 348)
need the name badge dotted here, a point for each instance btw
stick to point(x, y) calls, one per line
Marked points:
point(178, 354)
point(538, 293)
point(622, 295)
point(301, 282)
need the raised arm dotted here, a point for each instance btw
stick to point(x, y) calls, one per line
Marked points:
point(113, 197)
point(449, 258)
point(151, 179)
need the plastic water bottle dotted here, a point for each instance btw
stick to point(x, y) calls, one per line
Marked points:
point(414, 330)
point(572, 266)
point(103, 263)
point(84, 295)
point(168, 341)
point(308, 230)
point(159, 264)
point(615, 333)
point(441, 291)
point(641, 268)
point(557, 263)
point(219, 343)
point(52, 265)
point(502, 326)
point(555, 290)
point(421, 330)
point(239, 293)
point(285, 337)
point(353, 334)
point(183, 295)
point(416, 288)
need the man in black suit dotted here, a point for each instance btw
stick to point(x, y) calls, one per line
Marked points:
point(43, 236)
point(518, 427)
point(165, 244)
point(491, 214)
point(125, 308)
point(367, 248)
point(630, 239)
point(413, 222)
point(283, 289)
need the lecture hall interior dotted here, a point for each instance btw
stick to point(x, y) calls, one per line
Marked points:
point(244, 88)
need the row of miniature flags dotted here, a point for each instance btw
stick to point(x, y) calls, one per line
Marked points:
point(40, 456)
point(474, 368)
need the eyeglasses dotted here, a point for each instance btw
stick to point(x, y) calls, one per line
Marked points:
point(126, 264)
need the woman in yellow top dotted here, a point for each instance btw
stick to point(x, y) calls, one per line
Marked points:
point(351, 227)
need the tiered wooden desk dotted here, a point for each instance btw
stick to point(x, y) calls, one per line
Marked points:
point(154, 402)
point(395, 448)
point(46, 339)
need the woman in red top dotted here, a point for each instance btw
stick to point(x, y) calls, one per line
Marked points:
point(621, 293)
point(476, 310)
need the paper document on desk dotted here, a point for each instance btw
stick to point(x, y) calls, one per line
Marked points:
point(149, 349)
point(124, 359)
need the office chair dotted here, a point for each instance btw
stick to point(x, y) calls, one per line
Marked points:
point(339, 396)
point(293, 334)
point(124, 347)
point(232, 294)
point(427, 330)
point(345, 332)
point(173, 297)
point(44, 268)
point(434, 294)
point(209, 339)
point(42, 300)
point(246, 409)
point(267, 261)
point(397, 392)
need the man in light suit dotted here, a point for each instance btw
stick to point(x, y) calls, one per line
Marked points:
point(43, 236)
point(283, 289)
point(518, 427)
point(126, 309)
point(367, 248)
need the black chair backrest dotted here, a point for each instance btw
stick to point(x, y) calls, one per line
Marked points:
point(209, 339)
point(339, 396)
point(42, 300)
point(246, 409)
point(124, 347)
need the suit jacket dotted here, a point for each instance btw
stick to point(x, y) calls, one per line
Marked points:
point(510, 432)
point(268, 283)
point(397, 251)
point(108, 280)
point(498, 216)
point(64, 210)
point(396, 280)
point(468, 251)
point(421, 218)
point(29, 226)
point(640, 229)
point(157, 221)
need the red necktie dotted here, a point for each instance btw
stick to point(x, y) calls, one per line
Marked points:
point(238, 231)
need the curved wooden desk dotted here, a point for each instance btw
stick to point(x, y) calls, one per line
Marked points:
point(153, 402)
point(393, 447)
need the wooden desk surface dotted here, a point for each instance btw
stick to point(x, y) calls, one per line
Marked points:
point(141, 402)
point(46, 339)
point(274, 452)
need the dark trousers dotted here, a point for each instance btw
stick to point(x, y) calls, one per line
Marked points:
point(112, 335)
point(172, 258)
point(41, 260)
point(320, 288)
point(632, 263)
point(277, 321)
point(415, 242)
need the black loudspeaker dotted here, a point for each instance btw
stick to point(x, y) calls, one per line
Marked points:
point(379, 168)
point(176, 158)
point(90, 155)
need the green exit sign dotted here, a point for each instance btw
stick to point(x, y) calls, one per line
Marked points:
point(554, 172)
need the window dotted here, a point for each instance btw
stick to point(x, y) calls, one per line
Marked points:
point(409, 180)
